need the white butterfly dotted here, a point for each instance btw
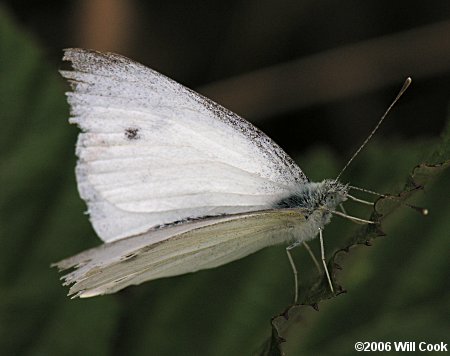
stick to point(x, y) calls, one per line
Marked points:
point(175, 183)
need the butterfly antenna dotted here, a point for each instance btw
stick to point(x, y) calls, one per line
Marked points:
point(422, 211)
point(402, 90)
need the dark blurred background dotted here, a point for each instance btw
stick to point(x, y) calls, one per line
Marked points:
point(307, 72)
point(315, 76)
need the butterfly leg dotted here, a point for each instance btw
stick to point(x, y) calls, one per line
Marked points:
point(294, 269)
point(324, 262)
point(316, 263)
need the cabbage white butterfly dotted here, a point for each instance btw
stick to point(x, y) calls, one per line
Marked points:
point(175, 183)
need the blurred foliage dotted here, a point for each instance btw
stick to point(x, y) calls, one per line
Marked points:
point(396, 289)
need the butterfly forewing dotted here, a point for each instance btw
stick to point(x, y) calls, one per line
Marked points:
point(153, 152)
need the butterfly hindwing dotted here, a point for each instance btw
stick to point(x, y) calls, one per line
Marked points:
point(179, 249)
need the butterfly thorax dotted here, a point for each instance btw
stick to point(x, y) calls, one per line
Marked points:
point(326, 195)
point(316, 200)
